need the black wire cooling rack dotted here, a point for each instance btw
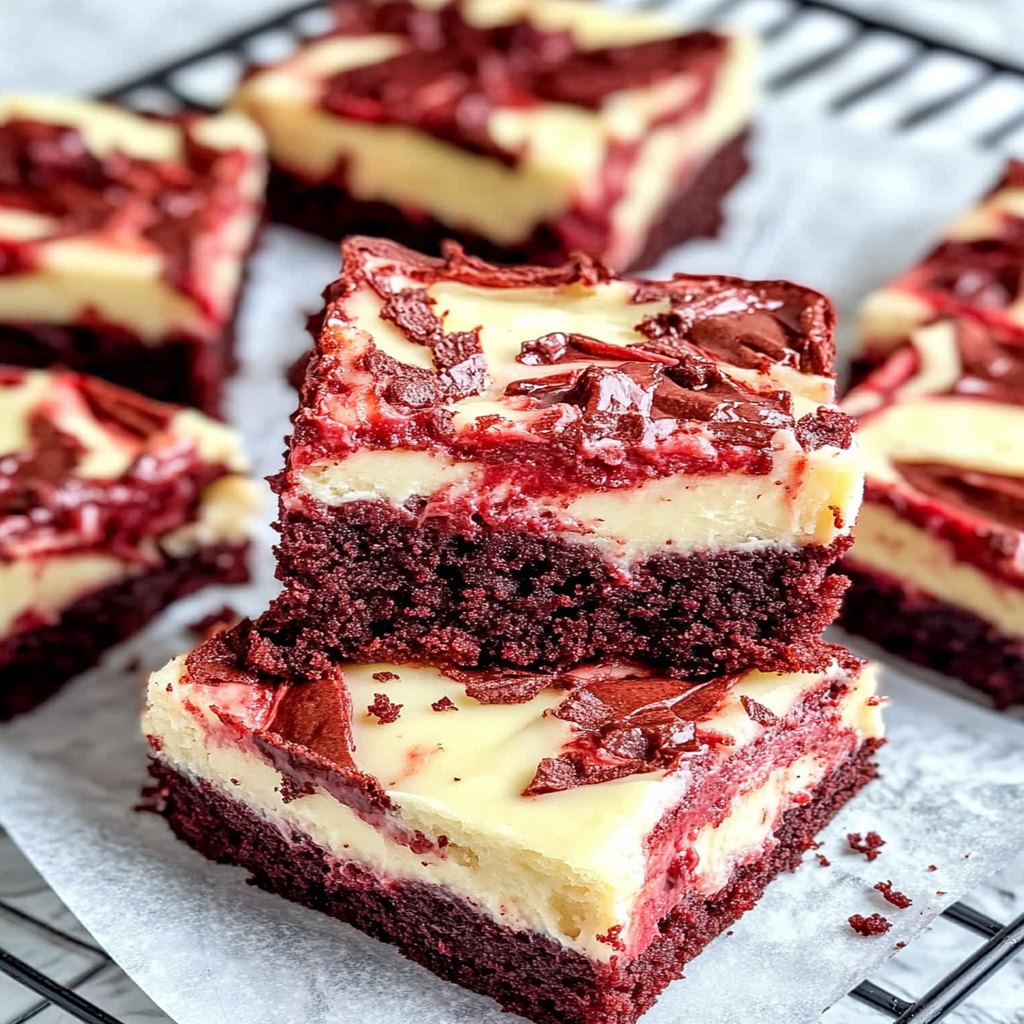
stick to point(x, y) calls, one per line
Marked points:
point(855, 62)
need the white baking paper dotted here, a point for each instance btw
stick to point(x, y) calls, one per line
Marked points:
point(827, 207)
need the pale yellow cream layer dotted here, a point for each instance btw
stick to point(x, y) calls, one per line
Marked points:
point(569, 865)
point(123, 280)
point(674, 514)
point(888, 544)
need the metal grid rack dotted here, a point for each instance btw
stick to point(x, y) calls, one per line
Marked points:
point(847, 64)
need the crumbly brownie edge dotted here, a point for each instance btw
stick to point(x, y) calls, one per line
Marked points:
point(933, 633)
point(37, 663)
point(329, 211)
point(371, 581)
point(525, 972)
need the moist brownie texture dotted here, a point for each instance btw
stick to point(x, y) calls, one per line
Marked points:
point(526, 130)
point(528, 468)
point(111, 506)
point(977, 268)
point(123, 240)
point(563, 843)
point(935, 565)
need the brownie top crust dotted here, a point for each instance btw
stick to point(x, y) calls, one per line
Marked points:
point(93, 197)
point(452, 65)
point(940, 426)
point(594, 380)
point(89, 467)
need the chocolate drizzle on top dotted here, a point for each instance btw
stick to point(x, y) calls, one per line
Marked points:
point(625, 727)
point(992, 362)
point(458, 356)
point(985, 496)
point(48, 169)
point(668, 403)
point(618, 401)
point(453, 74)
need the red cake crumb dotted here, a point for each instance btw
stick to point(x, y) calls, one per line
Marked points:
point(869, 845)
point(897, 899)
point(385, 677)
point(758, 712)
point(932, 867)
point(823, 860)
point(444, 704)
point(383, 710)
point(873, 925)
point(873, 702)
point(941, 892)
point(611, 937)
point(205, 627)
point(899, 945)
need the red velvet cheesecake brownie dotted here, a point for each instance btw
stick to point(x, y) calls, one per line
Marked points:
point(936, 565)
point(111, 506)
point(564, 843)
point(526, 129)
point(122, 242)
point(977, 268)
point(531, 467)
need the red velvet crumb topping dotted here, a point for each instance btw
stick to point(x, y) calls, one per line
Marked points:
point(873, 925)
point(897, 899)
point(870, 845)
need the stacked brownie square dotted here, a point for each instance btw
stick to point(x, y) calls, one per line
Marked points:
point(544, 700)
point(937, 570)
point(526, 129)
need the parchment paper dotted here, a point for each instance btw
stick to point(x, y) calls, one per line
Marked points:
point(827, 207)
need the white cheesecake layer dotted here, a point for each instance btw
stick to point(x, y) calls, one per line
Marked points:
point(561, 149)
point(569, 865)
point(889, 545)
point(121, 278)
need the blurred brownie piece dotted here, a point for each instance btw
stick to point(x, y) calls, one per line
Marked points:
point(937, 565)
point(525, 129)
point(977, 268)
point(123, 240)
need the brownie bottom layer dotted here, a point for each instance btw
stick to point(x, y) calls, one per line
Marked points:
point(36, 663)
point(525, 972)
point(180, 369)
point(330, 211)
point(374, 582)
point(935, 634)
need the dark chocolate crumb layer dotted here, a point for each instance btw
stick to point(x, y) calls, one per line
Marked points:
point(935, 634)
point(526, 973)
point(36, 663)
point(330, 211)
point(371, 581)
